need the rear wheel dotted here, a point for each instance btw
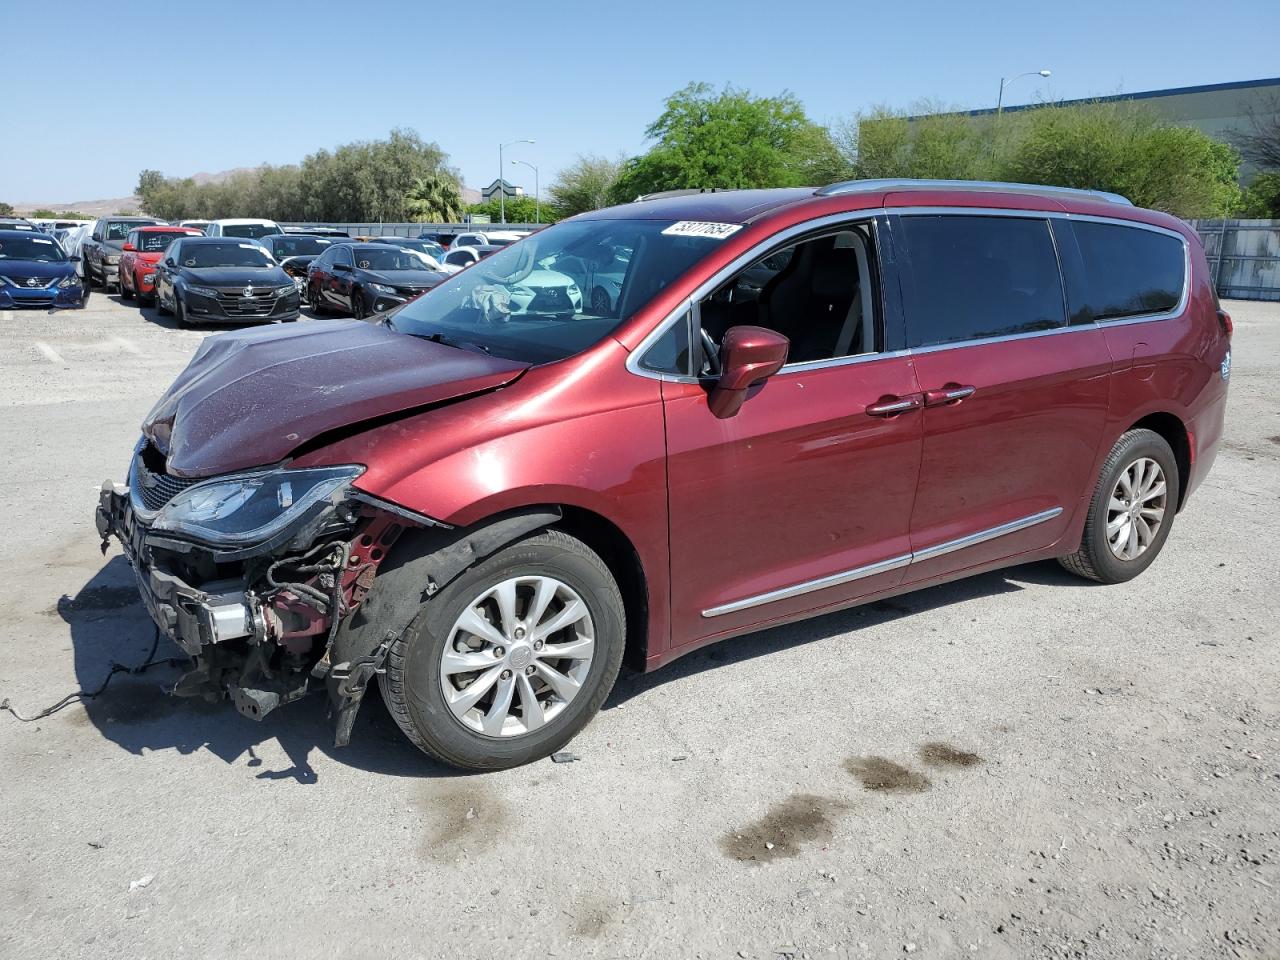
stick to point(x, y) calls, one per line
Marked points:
point(508, 662)
point(89, 279)
point(1131, 512)
point(125, 292)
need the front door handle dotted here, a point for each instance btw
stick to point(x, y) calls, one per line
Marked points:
point(892, 406)
point(951, 393)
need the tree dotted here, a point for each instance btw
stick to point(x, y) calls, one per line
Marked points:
point(519, 210)
point(46, 214)
point(1261, 198)
point(726, 139)
point(583, 185)
point(6, 209)
point(1260, 144)
point(434, 198)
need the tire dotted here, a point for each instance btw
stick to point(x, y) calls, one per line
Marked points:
point(179, 312)
point(357, 304)
point(1097, 559)
point(160, 307)
point(89, 280)
point(126, 294)
point(315, 301)
point(600, 302)
point(413, 689)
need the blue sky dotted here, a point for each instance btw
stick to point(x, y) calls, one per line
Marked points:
point(188, 88)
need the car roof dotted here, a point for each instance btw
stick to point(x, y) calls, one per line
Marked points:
point(158, 227)
point(202, 239)
point(10, 234)
point(235, 221)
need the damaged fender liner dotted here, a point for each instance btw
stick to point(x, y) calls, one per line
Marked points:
point(423, 562)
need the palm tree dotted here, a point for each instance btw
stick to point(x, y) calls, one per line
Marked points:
point(434, 198)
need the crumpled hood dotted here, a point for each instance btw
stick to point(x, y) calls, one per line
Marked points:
point(251, 397)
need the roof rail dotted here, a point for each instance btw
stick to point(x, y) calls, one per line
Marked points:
point(663, 194)
point(986, 186)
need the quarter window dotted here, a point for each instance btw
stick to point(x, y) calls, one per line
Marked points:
point(1129, 271)
point(979, 277)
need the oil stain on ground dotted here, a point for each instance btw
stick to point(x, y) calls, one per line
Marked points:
point(460, 819)
point(938, 754)
point(799, 820)
point(884, 776)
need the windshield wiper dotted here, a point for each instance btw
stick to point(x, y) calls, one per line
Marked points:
point(448, 341)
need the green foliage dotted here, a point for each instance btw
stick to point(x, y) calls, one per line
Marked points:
point(398, 179)
point(727, 139)
point(583, 185)
point(519, 210)
point(1119, 147)
point(434, 198)
point(6, 209)
point(45, 214)
point(1261, 198)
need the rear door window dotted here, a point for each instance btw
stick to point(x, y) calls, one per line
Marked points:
point(1130, 271)
point(975, 277)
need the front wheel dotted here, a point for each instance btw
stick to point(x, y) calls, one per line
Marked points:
point(160, 306)
point(179, 311)
point(509, 661)
point(1131, 512)
point(357, 305)
point(125, 292)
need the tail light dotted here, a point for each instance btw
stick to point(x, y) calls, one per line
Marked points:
point(1224, 321)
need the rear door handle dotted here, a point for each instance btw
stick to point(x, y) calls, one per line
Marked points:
point(951, 393)
point(892, 406)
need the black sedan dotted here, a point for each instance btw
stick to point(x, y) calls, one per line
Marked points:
point(223, 280)
point(295, 252)
point(366, 279)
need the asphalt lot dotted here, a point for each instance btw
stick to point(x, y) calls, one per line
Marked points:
point(1018, 765)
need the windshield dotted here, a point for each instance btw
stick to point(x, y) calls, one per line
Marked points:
point(118, 230)
point(548, 297)
point(250, 230)
point(387, 258)
point(299, 247)
point(154, 242)
point(229, 254)
point(30, 248)
point(432, 250)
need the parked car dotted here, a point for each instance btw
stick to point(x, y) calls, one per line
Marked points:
point(142, 250)
point(365, 279)
point(36, 272)
point(332, 232)
point(295, 252)
point(223, 280)
point(200, 225)
point(431, 251)
point(459, 258)
point(245, 228)
point(488, 238)
point(486, 511)
point(71, 245)
point(102, 249)
point(52, 225)
point(17, 223)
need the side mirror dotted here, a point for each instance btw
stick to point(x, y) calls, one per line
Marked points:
point(748, 357)
point(341, 268)
point(128, 247)
point(170, 262)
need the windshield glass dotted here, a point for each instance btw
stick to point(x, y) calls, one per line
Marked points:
point(30, 248)
point(299, 247)
point(432, 250)
point(250, 230)
point(118, 230)
point(230, 254)
point(386, 258)
point(557, 292)
point(154, 242)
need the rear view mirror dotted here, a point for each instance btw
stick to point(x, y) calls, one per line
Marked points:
point(748, 357)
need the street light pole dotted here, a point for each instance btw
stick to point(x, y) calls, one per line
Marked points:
point(502, 193)
point(1004, 83)
point(537, 189)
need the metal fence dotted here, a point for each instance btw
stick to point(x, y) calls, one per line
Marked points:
point(415, 229)
point(1244, 256)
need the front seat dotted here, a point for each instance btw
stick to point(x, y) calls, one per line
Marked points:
point(809, 301)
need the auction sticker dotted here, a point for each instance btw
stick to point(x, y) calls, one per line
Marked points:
point(696, 228)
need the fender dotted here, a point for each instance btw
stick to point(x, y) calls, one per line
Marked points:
point(423, 562)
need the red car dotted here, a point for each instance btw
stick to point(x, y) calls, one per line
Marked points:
point(141, 252)
point(798, 401)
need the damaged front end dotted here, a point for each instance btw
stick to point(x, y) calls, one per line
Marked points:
point(253, 574)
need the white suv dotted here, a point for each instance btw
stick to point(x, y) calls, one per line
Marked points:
point(495, 238)
point(246, 228)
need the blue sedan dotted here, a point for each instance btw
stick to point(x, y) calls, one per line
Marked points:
point(35, 272)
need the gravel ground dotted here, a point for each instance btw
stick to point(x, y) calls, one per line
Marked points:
point(1017, 765)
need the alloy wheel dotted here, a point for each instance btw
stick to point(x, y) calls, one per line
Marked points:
point(1135, 511)
point(517, 656)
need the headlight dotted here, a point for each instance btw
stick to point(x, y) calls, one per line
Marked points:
point(285, 291)
point(148, 278)
point(67, 282)
point(383, 288)
point(203, 291)
point(251, 508)
point(112, 261)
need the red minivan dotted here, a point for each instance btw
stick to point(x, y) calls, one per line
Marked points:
point(792, 401)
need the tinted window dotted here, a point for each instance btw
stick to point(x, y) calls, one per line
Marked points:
point(298, 246)
point(384, 257)
point(460, 258)
point(978, 277)
point(229, 254)
point(153, 241)
point(1129, 271)
point(30, 248)
point(670, 352)
point(249, 230)
point(117, 230)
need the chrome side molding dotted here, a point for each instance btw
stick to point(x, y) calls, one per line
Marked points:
point(884, 566)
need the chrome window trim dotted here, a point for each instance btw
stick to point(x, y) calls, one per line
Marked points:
point(884, 566)
point(819, 223)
